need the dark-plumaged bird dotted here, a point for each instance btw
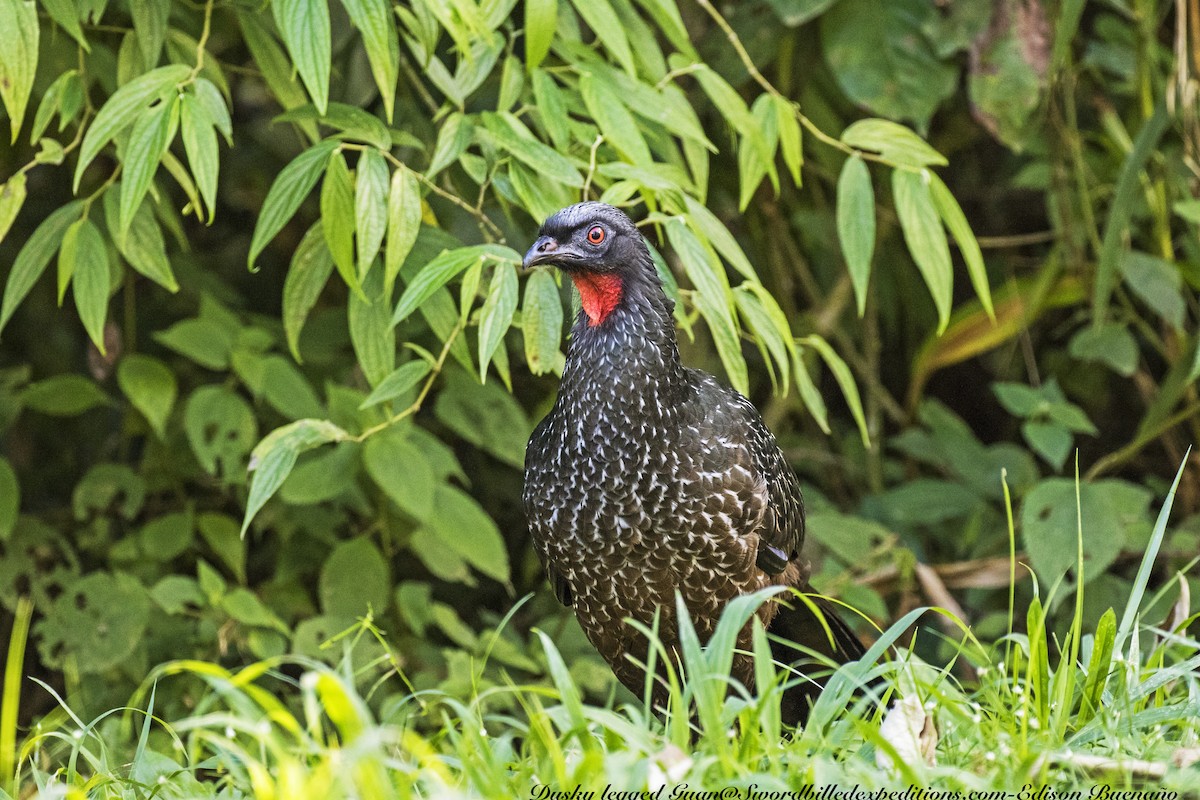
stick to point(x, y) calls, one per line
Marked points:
point(650, 478)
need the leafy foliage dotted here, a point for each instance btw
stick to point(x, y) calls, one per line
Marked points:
point(303, 361)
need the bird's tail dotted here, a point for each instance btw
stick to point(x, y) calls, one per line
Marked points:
point(802, 631)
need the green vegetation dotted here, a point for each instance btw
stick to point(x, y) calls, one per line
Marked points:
point(268, 451)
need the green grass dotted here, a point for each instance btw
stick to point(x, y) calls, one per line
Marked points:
point(1116, 706)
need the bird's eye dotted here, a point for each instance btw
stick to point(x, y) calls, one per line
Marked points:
point(595, 234)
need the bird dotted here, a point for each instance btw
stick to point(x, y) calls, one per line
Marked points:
point(649, 478)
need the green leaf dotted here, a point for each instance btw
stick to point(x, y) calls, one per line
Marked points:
point(286, 194)
point(434, 276)
point(542, 322)
point(355, 580)
point(354, 123)
point(220, 428)
point(791, 141)
point(1048, 524)
point(881, 58)
point(337, 217)
point(150, 23)
point(758, 160)
point(10, 499)
point(204, 341)
point(403, 223)
point(541, 18)
point(1158, 283)
point(276, 68)
point(1049, 440)
point(485, 415)
point(63, 396)
point(370, 207)
point(956, 222)
point(510, 134)
point(604, 22)
point(925, 237)
point(371, 332)
point(375, 22)
point(400, 469)
point(766, 320)
point(1109, 344)
point(287, 390)
point(98, 621)
point(404, 378)
point(84, 250)
point(143, 246)
point(274, 457)
point(150, 386)
point(845, 381)
point(304, 26)
point(306, 278)
point(809, 393)
point(856, 224)
point(551, 108)
point(200, 144)
point(464, 527)
point(18, 58)
point(453, 138)
point(496, 316)
point(12, 197)
point(33, 257)
point(220, 533)
point(894, 142)
point(66, 14)
point(152, 134)
point(123, 109)
point(608, 108)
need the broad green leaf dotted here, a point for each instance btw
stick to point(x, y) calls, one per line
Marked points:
point(894, 142)
point(287, 390)
point(541, 322)
point(453, 137)
point(122, 110)
point(403, 223)
point(97, 622)
point(434, 276)
point(665, 14)
point(1110, 344)
point(143, 246)
point(10, 499)
point(354, 123)
point(221, 429)
point(510, 134)
point(497, 313)
point(18, 58)
point(541, 18)
point(400, 381)
point(288, 191)
point(200, 144)
point(845, 381)
point(307, 276)
point(323, 476)
point(355, 580)
point(84, 249)
point(881, 58)
point(925, 237)
point(370, 207)
point(1158, 283)
point(375, 22)
point(731, 105)
point(465, 528)
point(956, 222)
point(276, 69)
point(604, 22)
point(210, 97)
point(66, 14)
point(485, 415)
point(371, 331)
point(150, 386)
point(275, 456)
point(304, 26)
point(791, 139)
point(220, 533)
point(607, 107)
point(150, 23)
point(63, 396)
point(33, 257)
point(1049, 440)
point(337, 217)
point(551, 108)
point(12, 197)
point(152, 134)
point(856, 224)
point(400, 469)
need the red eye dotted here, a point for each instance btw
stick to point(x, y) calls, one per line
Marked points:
point(596, 234)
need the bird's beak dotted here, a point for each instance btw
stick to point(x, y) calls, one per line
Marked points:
point(543, 251)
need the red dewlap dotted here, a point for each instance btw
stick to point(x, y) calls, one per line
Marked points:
point(600, 294)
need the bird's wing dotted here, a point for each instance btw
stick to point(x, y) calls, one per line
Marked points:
point(756, 472)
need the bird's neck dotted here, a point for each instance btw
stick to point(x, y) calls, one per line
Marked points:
point(623, 345)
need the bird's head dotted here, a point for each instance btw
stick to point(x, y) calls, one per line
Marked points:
point(599, 247)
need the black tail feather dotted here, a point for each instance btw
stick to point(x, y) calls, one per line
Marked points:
point(797, 623)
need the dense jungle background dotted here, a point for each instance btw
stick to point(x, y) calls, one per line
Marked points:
point(268, 361)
